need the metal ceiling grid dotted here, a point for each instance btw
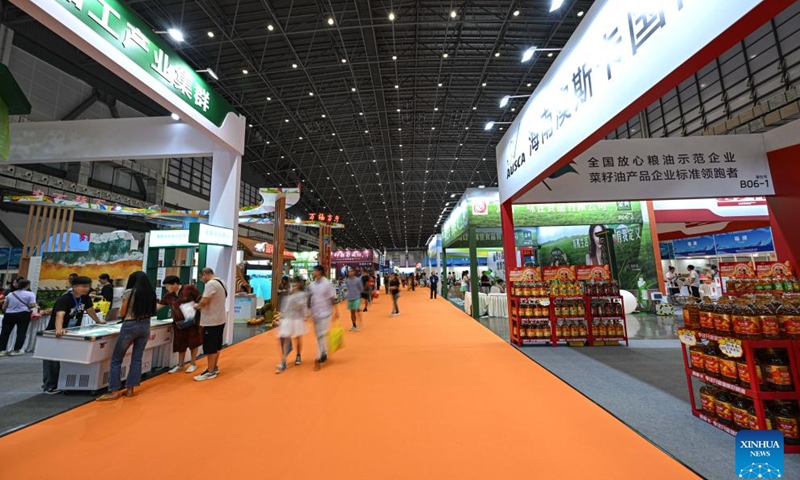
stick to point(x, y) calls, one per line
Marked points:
point(368, 114)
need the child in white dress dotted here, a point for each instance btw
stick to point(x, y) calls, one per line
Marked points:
point(293, 322)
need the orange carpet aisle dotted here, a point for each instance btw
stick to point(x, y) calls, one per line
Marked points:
point(428, 395)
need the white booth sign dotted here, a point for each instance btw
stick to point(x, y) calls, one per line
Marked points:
point(169, 238)
point(662, 168)
point(621, 50)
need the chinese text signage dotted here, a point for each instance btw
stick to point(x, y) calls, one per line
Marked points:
point(660, 168)
point(122, 28)
point(622, 49)
point(351, 256)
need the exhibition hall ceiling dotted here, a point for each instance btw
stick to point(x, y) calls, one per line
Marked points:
point(376, 108)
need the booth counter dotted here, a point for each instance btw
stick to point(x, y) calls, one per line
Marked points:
point(85, 353)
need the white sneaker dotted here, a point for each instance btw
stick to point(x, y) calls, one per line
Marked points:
point(206, 375)
point(175, 369)
point(191, 368)
point(353, 329)
point(3, 353)
point(16, 353)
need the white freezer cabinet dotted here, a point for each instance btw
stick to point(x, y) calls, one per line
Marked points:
point(85, 353)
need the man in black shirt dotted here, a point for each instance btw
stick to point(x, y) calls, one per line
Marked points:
point(434, 280)
point(68, 312)
point(486, 283)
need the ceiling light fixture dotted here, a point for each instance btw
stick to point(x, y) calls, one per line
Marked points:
point(353, 89)
point(516, 13)
point(528, 54)
point(453, 14)
point(391, 16)
point(496, 54)
point(175, 117)
point(330, 21)
point(440, 84)
point(394, 57)
point(397, 86)
point(294, 65)
point(175, 33)
point(504, 100)
point(244, 71)
point(310, 94)
point(209, 72)
point(445, 55)
point(210, 34)
point(344, 60)
point(490, 125)
point(270, 28)
point(580, 14)
point(556, 5)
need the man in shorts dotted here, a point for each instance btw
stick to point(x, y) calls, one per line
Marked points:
point(323, 301)
point(354, 288)
point(213, 321)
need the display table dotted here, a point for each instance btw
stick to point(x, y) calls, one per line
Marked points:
point(498, 305)
point(483, 303)
point(85, 353)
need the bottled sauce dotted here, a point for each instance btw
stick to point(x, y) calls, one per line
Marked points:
point(786, 421)
point(789, 320)
point(582, 330)
point(712, 359)
point(574, 332)
point(602, 329)
point(776, 371)
point(722, 319)
point(723, 403)
point(753, 417)
point(745, 321)
point(768, 318)
point(620, 329)
point(705, 315)
point(739, 407)
point(515, 330)
point(559, 330)
point(728, 369)
point(743, 372)
point(708, 400)
point(697, 357)
point(691, 316)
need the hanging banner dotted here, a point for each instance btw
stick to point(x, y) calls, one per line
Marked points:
point(747, 241)
point(527, 274)
point(619, 54)
point(736, 270)
point(587, 273)
point(560, 274)
point(773, 269)
point(694, 247)
point(662, 168)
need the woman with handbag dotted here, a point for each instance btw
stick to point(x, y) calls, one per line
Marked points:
point(187, 333)
point(138, 305)
point(19, 307)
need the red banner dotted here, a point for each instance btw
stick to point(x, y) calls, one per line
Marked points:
point(593, 272)
point(351, 256)
point(773, 269)
point(526, 274)
point(562, 274)
point(736, 270)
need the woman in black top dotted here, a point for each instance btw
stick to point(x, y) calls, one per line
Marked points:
point(394, 289)
point(138, 305)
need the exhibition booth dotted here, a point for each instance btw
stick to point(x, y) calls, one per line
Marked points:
point(554, 152)
point(202, 124)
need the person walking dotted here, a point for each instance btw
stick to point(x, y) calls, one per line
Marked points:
point(394, 288)
point(413, 280)
point(212, 320)
point(323, 301)
point(18, 307)
point(187, 338)
point(365, 289)
point(693, 281)
point(386, 282)
point(68, 312)
point(293, 323)
point(434, 281)
point(138, 305)
point(284, 289)
point(354, 289)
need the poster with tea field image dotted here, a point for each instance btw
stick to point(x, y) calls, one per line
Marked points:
point(569, 245)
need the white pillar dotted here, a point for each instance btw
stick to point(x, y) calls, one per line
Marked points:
point(224, 212)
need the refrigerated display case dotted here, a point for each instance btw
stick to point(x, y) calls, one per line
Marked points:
point(85, 353)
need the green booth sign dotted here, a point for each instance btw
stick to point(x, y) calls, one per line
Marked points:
point(122, 28)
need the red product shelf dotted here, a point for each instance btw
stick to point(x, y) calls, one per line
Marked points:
point(758, 396)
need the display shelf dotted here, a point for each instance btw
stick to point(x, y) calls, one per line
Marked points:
point(536, 341)
point(571, 319)
point(566, 297)
point(572, 339)
point(713, 421)
point(609, 339)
